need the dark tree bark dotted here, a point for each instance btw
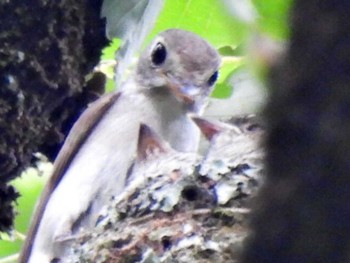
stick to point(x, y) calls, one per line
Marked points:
point(304, 212)
point(47, 49)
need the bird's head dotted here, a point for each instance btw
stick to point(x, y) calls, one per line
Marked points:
point(181, 63)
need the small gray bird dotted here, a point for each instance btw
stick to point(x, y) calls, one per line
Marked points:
point(233, 145)
point(156, 157)
point(173, 77)
point(234, 159)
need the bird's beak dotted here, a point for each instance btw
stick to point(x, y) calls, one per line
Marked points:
point(184, 93)
point(208, 128)
point(211, 128)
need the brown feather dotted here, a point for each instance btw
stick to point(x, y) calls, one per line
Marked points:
point(78, 134)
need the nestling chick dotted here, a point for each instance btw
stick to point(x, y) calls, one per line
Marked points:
point(235, 156)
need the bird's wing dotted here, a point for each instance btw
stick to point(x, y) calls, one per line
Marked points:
point(77, 136)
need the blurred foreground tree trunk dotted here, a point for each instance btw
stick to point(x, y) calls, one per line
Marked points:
point(303, 212)
point(47, 48)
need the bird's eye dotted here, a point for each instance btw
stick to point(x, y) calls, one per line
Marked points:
point(159, 54)
point(213, 78)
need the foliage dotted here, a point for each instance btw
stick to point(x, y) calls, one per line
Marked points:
point(30, 186)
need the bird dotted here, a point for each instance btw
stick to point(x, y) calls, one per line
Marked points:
point(155, 156)
point(235, 146)
point(174, 76)
point(236, 140)
point(165, 191)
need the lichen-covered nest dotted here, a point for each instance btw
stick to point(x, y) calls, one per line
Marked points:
point(180, 207)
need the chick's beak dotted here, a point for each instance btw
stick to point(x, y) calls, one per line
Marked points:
point(209, 129)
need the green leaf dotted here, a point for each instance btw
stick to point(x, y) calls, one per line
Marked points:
point(110, 85)
point(208, 18)
point(109, 52)
point(30, 186)
point(223, 88)
point(274, 17)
